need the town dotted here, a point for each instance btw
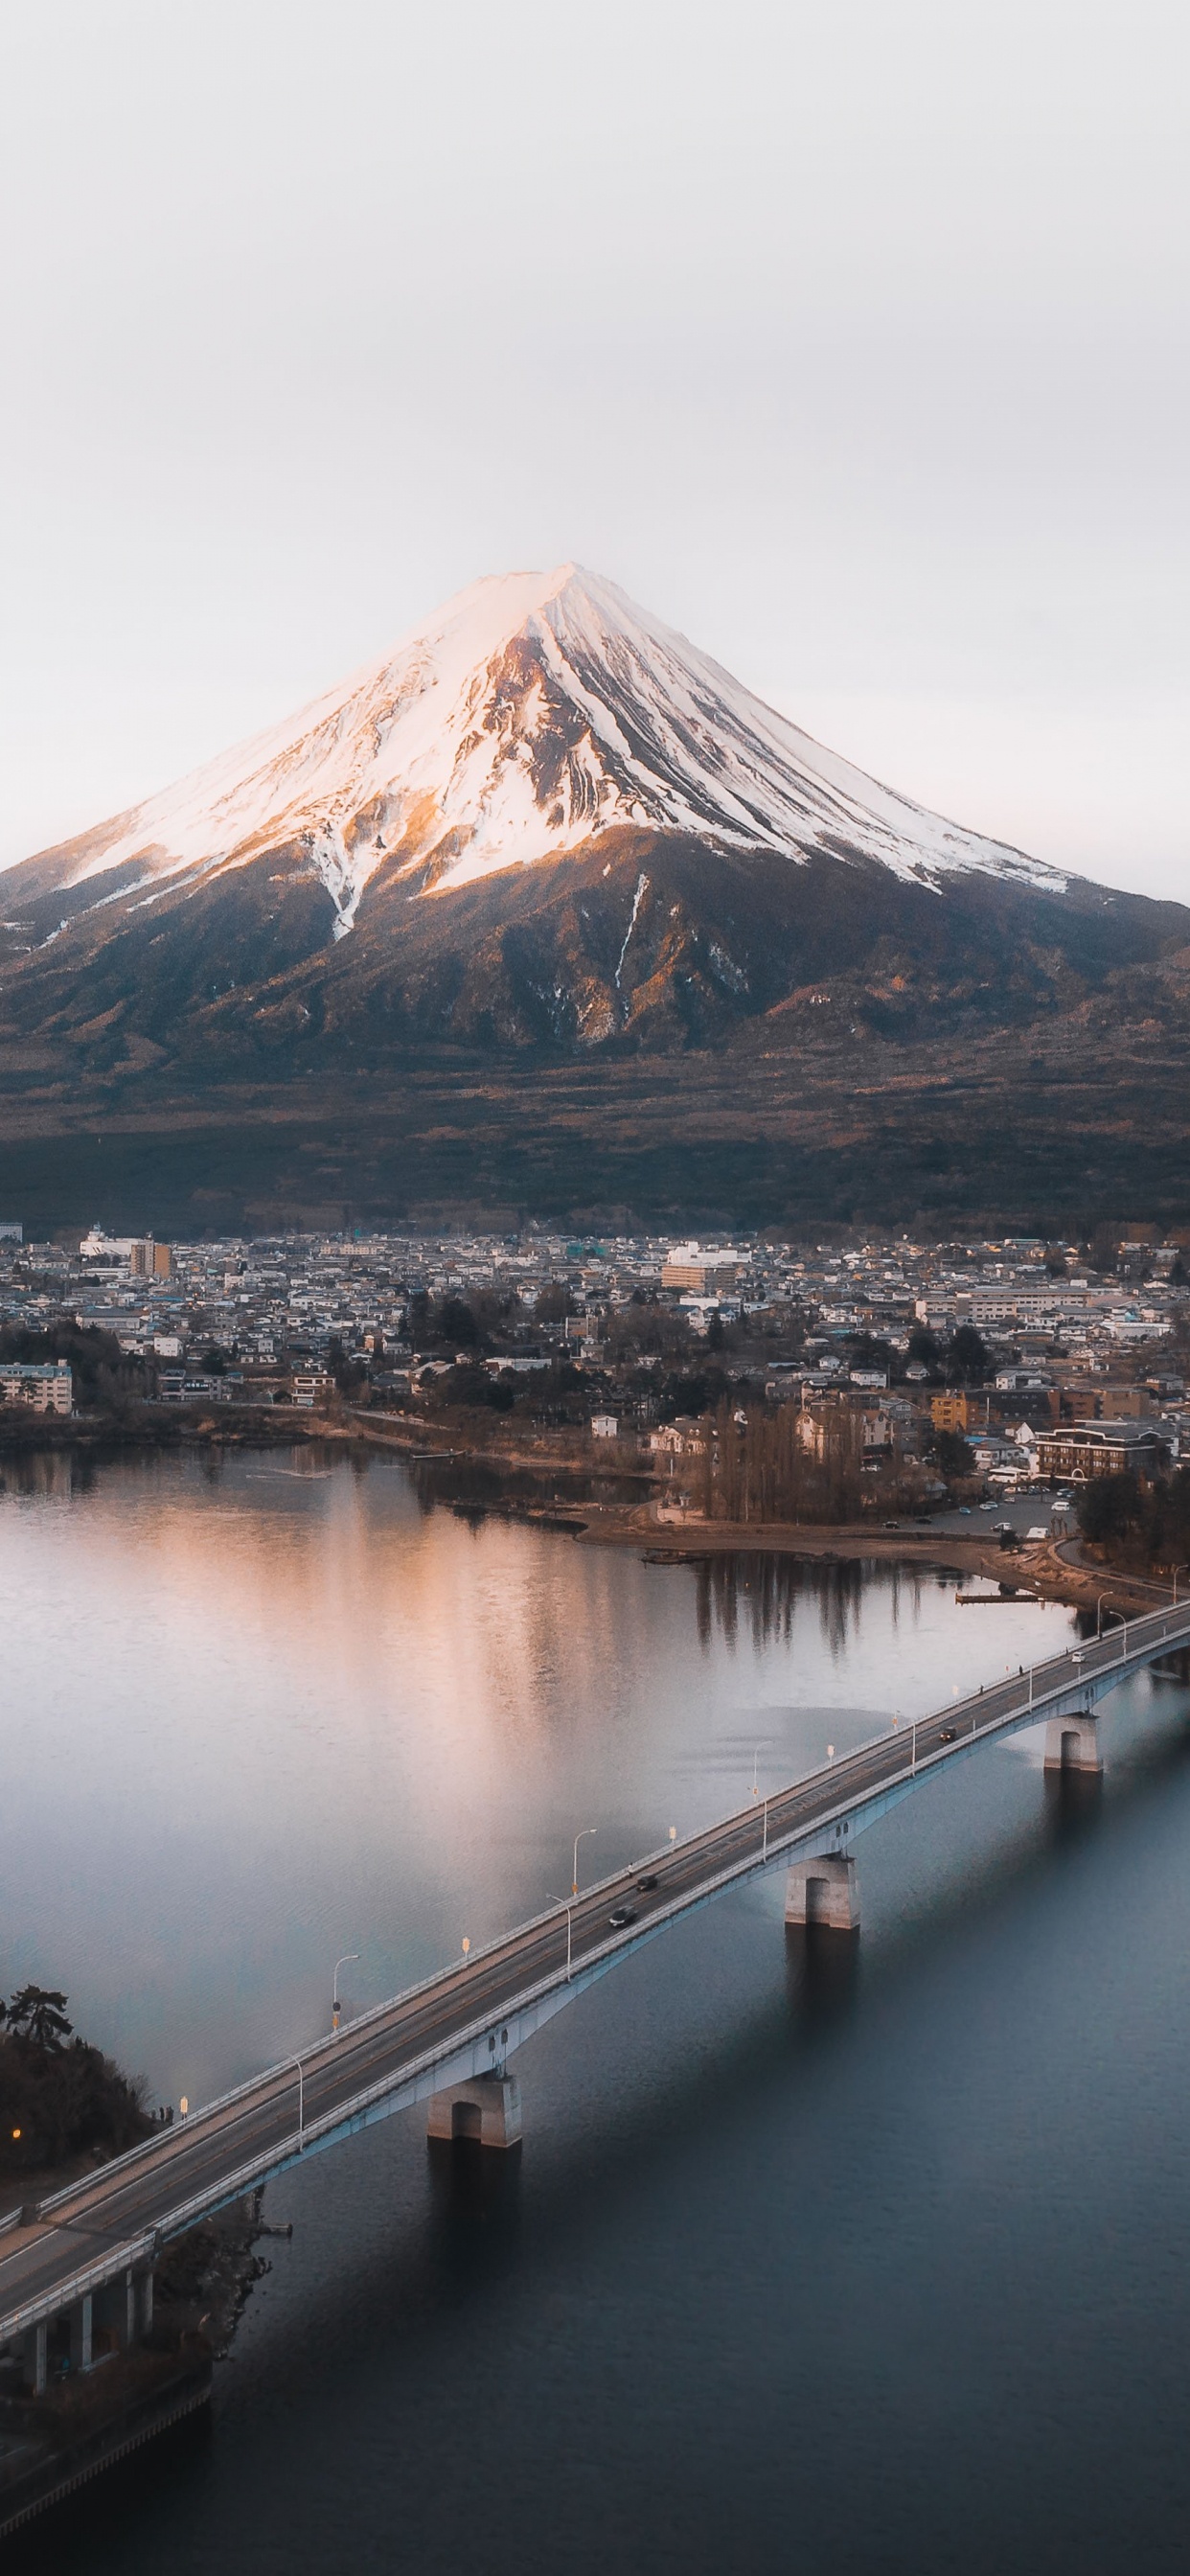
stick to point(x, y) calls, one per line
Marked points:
point(856, 1375)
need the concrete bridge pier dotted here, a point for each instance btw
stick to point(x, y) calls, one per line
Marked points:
point(37, 2346)
point(824, 1891)
point(487, 2108)
point(1072, 1744)
point(133, 2317)
point(80, 2334)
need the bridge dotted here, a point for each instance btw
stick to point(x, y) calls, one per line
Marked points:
point(86, 2254)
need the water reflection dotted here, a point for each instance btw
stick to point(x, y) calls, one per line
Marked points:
point(480, 1485)
point(268, 1707)
point(822, 1973)
point(774, 2188)
point(475, 2209)
point(765, 1591)
point(1073, 1805)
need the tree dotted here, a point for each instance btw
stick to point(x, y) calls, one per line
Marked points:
point(554, 1304)
point(967, 1358)
point(869, 1351)
point(1108, 1509)
point(349, 1374)
point(458, 1324)
point(103, 1373)
point(649, 1329)
point(38, 2013)
point(953, 1455)
point(417, 1319)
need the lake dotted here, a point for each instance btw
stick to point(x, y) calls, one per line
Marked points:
point(877, 2252)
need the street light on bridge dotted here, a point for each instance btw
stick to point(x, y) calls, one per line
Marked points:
point(568, 1902)
point(339, 1963)
point(580, 1837)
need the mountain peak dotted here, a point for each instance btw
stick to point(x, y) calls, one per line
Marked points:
point(531, 713)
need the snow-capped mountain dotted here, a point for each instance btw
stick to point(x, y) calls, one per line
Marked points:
point(546, 823)
point(531, 717)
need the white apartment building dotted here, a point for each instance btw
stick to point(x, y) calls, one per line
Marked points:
point(705, 1273)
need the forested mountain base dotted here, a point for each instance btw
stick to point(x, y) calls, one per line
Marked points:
point(1065, 1127)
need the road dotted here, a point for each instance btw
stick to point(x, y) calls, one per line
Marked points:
point(169, 2181)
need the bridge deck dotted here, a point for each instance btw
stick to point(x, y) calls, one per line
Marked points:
point(100, 2225)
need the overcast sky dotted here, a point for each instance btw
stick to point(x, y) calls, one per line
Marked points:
point(849, 338)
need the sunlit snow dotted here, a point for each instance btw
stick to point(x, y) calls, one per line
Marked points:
point(533, 713)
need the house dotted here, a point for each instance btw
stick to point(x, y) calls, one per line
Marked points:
point(994, 1455)
point(677, 1440)
point(605, 1426)
point(312, 1387)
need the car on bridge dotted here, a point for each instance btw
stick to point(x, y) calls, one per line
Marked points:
point(621, 1917)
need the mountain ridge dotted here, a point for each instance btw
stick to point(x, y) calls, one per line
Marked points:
point(528, 715)
point(546, 832)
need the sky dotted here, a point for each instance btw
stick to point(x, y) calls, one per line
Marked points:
point(850, 340)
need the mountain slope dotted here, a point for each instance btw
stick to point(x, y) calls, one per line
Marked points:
point(547, 855)
point(531, 716)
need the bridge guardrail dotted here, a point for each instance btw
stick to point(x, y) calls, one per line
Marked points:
point(1052, 1674)
point(91, 2276)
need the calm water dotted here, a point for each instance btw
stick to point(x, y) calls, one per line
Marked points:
point(883, 2257)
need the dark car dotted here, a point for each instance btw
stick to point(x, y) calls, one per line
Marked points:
point(647, 1883)
point(948, 1735)
point(621, 1918)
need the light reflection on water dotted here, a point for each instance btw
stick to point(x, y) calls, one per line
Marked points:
point(273, 1708)
point(868, 2254)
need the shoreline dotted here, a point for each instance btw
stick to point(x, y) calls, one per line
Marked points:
point(1045, 1572)
point(1041, 1571)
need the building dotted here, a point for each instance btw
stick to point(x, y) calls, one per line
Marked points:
point(46, 1386)
point(188, 1386)
point(1081, 1403)
point(149, 1260)
point(139, 1253)
point(605, 1426)
point(949, 1412)
point(677, 1440)
point(703, 1274)
point(1079, 1450)
point(313, 1387)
